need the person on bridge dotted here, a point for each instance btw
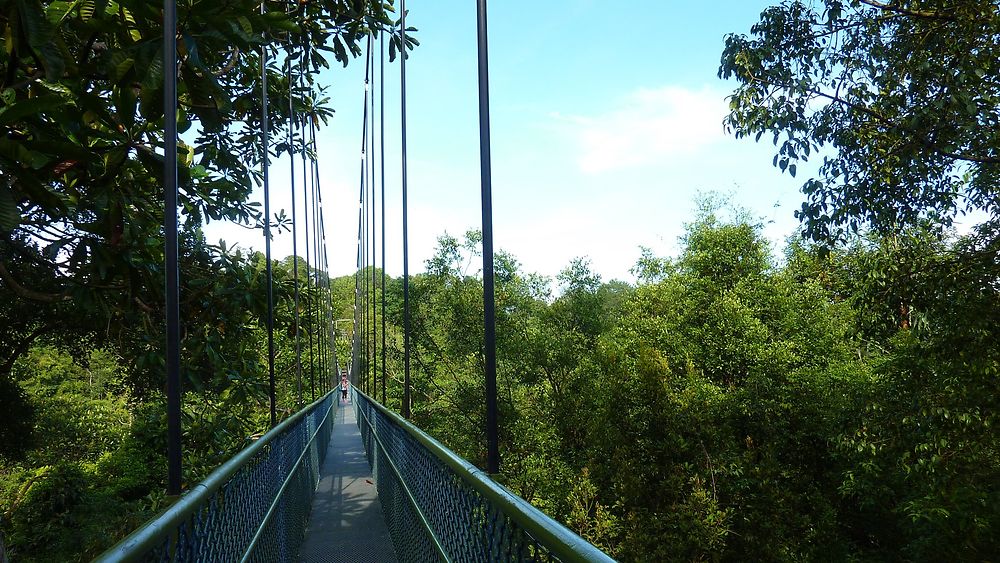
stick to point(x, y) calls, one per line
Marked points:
point(343, 388)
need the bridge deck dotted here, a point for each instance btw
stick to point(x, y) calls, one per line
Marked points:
point(346, 522)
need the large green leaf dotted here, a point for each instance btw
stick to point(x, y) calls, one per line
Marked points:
point(63, 149)
point(125, 104)
point(93, 9)
point(154, 72)
point(151, 102)
point(20, 153)
point(41, 37)
point(60, 10)
point(21, 109)
point(10, 216)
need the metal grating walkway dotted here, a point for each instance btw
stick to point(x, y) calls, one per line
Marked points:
point(346, 522)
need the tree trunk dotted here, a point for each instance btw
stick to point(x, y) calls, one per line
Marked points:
point(3, 550)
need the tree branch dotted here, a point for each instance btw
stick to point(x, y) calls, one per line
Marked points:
point(907, 12)
point(26, 293)
point(870, 112)
point(23, 346)
point(923, 139)
point(86, 49)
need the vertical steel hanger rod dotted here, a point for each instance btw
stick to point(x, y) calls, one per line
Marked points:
point(406, 240)
point(489, 302)
point(173, 359)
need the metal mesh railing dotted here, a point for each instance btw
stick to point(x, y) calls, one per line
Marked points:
point(439, 507)
point(253, 508)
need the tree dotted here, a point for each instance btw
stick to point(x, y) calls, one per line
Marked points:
point(920, 461)
point(81, 127)
point(900, 98)
point(719, 390)
point(81, 243)
point(923, 466)
point(27, 321)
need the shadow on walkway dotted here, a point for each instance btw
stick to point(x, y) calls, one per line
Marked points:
point(346, 523)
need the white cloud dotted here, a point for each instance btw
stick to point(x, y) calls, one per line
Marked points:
point(648, 126)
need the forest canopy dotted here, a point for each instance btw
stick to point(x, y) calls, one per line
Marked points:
point(834, 398)
point(82, 249)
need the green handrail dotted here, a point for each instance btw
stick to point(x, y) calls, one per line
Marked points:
point(559, 540)
point(409, 494)
point(152, 534)
point(277, 497)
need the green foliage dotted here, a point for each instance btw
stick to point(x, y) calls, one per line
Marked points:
point(900, 91)
point(79, 413)
point(587, 516)
point(15, 433)
point(81, 249)
point(722, 385)
point(895, 97)
point(675, 417)
point(924, 454)
point(71, 511)
point(732, 407)
point(88, 477)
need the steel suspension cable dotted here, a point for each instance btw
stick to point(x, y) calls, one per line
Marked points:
point(360, 304)
point(321, 258)
point(320, 348)
point(329, 340)
point(489, 303)
point(318, 271)
point(172, 265)
point(364, 275)
point(357, 328)
point(381, 116)
point(374, 328)
point(362, 328)
point(295, 233)
point(363, 213)
point(361, 283)
point(267, 232)
point(367, 300)
point(406, 247)
point(368, 226)
point(365, 323)
point(331, 322)
point(311, 300)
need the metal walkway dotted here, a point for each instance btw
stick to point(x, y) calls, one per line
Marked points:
point(346, 522)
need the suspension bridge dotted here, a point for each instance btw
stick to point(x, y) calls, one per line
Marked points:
point(350, 481)
point(345, 478)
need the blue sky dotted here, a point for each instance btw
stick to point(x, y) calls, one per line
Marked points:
point(606, 122)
